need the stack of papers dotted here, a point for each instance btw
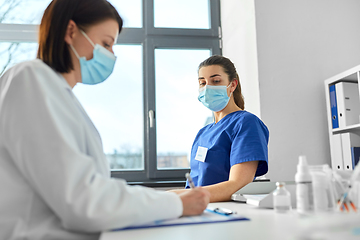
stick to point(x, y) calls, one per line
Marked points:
point(206, 217)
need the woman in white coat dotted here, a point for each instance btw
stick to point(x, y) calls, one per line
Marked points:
point(54, 178)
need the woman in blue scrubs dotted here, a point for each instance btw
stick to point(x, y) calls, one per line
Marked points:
point(229, 153)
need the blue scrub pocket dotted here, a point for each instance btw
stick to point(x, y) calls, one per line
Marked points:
point(215, 169)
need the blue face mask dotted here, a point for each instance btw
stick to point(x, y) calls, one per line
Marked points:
point(214, 98)
point(97, 69)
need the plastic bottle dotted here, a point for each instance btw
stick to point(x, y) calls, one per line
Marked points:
point(281, 198)
point(304, 190)
point(320, 186)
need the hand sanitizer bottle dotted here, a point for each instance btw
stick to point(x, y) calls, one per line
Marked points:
point(304, 191)
point(281, 198)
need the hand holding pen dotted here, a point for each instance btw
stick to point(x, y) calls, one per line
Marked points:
point(221, 211)
point(195, 200)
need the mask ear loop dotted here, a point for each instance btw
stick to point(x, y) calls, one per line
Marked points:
point(72, 48)
point(86, 36)
point(230, 92)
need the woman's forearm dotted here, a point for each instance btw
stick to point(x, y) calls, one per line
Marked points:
point(240, 175)
point(219, 192)
point(222, 191)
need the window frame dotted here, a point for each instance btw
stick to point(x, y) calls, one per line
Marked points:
point(164, 38)
point(150, 38)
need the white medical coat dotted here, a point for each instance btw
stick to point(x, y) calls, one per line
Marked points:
point(54, 178)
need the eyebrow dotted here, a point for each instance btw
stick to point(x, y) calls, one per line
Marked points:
point(215, 75)
point(110, 37)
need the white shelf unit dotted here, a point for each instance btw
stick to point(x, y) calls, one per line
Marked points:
point(344, 137)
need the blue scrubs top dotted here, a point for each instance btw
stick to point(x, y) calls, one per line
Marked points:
point(238, 137)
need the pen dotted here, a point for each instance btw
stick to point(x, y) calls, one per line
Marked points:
point(341, 201)
point(353, 206)
point(191, 183)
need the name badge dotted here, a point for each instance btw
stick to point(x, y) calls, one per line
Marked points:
point(201, 154)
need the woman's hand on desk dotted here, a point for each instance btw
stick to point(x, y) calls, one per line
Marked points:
point(194, 201)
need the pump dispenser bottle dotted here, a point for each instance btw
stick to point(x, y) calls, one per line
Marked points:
point(304, 191)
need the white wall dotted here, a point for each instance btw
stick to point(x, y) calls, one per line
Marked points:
point(239, 44)
point(299, 44)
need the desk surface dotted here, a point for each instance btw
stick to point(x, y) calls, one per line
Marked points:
point(263, 224)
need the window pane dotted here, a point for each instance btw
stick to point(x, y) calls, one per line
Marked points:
point(12, 53)
point(130, 12)
point(22, 11)
point(31, 11)
point(179, 115)
point(182, 14)
point(116, 108)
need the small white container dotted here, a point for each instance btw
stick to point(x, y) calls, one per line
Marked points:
point(320, 188)
point(323, 188)
point(281, 198)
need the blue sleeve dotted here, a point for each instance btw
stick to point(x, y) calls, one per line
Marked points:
point(250, 143)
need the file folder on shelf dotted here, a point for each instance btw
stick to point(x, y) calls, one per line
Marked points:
point(333, 104)
point(355, 156)
point(348, 141)
point(336, 152)
point(347, 103)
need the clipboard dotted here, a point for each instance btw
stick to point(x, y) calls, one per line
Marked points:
point(208, 216)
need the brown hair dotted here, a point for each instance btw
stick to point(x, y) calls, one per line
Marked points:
point(230, 70)
point(53, 49)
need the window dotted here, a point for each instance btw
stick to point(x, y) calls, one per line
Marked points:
point(115, 106)
point(176, 101)
point(130, 12)
point(22, 11)
point(142, 111)
point(170, 14)
point(15, 52)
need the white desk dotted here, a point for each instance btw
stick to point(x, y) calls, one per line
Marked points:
point(263, 224)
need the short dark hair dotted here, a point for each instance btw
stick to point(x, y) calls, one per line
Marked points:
point(230, 70)
point(53, 49)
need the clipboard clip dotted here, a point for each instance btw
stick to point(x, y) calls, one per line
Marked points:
point(223, 211)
